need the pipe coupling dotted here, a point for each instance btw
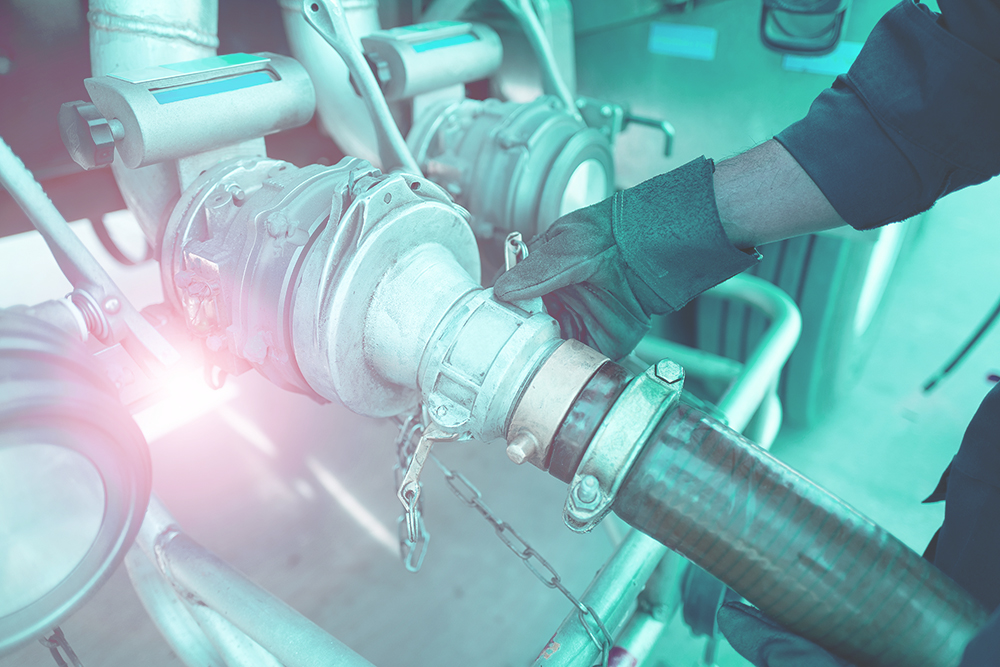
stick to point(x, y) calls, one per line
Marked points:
point(618, 442)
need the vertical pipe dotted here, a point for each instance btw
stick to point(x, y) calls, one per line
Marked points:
point(132, 34)
point(342, 113)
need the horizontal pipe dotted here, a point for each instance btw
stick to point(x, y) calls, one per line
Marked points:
point(697, 363)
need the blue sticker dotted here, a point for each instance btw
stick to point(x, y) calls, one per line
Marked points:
point(836, 62)
point(211, 87)
point(684, 41)
point(443, 42)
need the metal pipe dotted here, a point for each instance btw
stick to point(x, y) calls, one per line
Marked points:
point(764, 427)
point(611, 595)
point(553, 81)
point(132, 34)
point(342, 113)
point(293, 639)
point(202, 578)
point(698, 363)
point(329, 19)
point(657, 604)
point(236, 648)
point(744, 396)
point(169, 613)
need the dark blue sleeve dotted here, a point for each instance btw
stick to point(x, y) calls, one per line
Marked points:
point(915, 118)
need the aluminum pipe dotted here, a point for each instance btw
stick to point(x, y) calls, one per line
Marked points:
point(343, 114)
point(132, 34)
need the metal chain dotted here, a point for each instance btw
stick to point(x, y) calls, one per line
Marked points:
point(536, 564)
point(412, 552)
point(56, 643)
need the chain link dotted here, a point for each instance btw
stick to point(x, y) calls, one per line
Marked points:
point(536, 564)
point(58, 645)
point(412, 552)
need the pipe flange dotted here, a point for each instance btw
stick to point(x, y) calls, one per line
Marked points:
point(618, 442)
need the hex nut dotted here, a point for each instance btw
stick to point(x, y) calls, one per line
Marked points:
point(669, 371)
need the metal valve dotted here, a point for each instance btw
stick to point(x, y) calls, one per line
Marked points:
point(88, 136)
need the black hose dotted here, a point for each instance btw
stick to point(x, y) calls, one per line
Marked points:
point(797, 552)
point(984, 326)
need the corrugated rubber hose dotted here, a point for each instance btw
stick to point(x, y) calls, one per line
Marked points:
point(794, 550)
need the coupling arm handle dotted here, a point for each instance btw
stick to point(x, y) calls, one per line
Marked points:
point(110, 316)
point(328, 19)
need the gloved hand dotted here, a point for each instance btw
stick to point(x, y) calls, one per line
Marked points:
point(603, 270)
point(766, 643)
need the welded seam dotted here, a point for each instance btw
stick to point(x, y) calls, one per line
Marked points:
point(111, 22)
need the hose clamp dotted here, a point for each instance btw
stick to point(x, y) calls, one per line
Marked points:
point(618, 442)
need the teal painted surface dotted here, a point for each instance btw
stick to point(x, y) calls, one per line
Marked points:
point(444, 43)
point(683, 41)
point(212, 87)
point(832, 64)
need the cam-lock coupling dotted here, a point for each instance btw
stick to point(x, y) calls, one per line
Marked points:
point(618, 442)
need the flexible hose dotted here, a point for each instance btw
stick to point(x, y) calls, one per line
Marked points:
point(797, 552)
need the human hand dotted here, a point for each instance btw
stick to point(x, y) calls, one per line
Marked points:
point(577, 270)
point(766, 643)
point(603, 270)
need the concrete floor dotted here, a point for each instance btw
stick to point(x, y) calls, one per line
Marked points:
point(272, 482)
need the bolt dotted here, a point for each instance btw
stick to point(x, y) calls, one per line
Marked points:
point(387, 198)
point(112, 306)
point(587, 492)
point(669, 372)
point(441, 411)
point(237, 194)
point(606, 111)
point(521, 448)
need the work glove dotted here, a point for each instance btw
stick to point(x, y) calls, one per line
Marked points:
point(766, 643)
point(602, 271)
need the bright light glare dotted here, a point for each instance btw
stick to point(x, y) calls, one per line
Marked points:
point(186, 397)
point(249, 431)
point(353, 506)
